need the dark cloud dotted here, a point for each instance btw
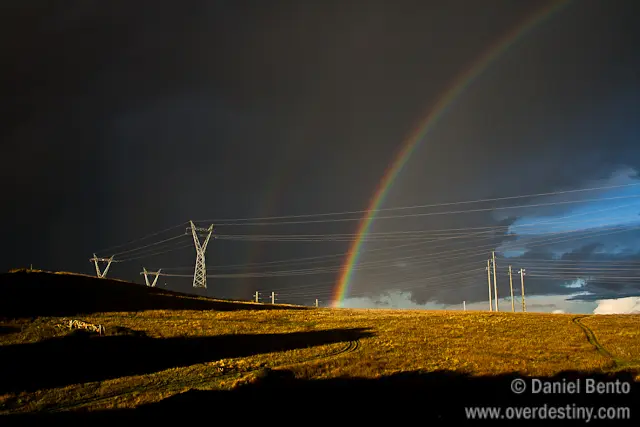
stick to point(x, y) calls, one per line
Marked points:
point(535, 306)
point(605, 295)
point(583, 269)
point(124, 118)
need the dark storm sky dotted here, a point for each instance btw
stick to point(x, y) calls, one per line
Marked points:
point(124, 118)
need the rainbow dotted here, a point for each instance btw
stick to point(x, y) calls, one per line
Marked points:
point(437, 111)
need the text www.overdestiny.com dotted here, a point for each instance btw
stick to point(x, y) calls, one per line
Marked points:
point(545, 412)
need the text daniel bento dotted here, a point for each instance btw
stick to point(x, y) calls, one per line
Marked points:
point(577, 386)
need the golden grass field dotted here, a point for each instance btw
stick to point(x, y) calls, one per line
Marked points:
point(147, 356)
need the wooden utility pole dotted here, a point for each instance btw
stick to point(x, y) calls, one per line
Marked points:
point(257, 296)
point(489, 281)
point(513, 307)
point(524, 307)
point(495, 284)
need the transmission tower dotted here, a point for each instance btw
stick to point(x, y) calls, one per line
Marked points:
point(95, 260)
point(146, 277)
point(200, 273)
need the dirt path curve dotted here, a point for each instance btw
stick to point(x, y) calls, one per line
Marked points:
point(593, 340)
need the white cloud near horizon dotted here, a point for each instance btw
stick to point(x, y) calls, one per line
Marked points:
point(629, 305)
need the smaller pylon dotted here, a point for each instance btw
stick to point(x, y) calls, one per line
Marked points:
point(95, 260)
point(146, 277)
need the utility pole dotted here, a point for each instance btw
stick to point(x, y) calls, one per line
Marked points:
point(489, 281)
point(95, 260)
point(464, 306)
point(513, 307)
point(200, 273)
point(146, 277)
point(257, 295)
point(273, 297)
point(316, 302)
point(495, 285)
point(524, 307)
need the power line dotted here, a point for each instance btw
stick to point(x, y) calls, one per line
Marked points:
point(543, 268)
point(465, 229)
point(315, 288)
point(422, 258)
point(383, 263)
point(295, 294)
point(140, 239)
point(371, 294)
point(151, 244)
point(537, 223)
point(222, 221)
point(316, 259)
point(431, 213)
point(570, 262)
point(587, 278)
point(435, 286)
point(300, 295)
point(422, 278)
point(400, 235)
point(586, 237)
point(157, 253)
point(321, 238)
point(313, 271)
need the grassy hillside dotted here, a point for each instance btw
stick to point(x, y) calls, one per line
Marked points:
point(35, 294)
point(159, 345)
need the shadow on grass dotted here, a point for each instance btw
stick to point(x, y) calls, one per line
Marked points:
point(24, 295)
point(436, 396)
point(6, 330)
point(81, 358)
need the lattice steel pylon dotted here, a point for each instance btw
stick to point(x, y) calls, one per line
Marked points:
point(200, 273)
point(95, 260)
point(146, 277)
